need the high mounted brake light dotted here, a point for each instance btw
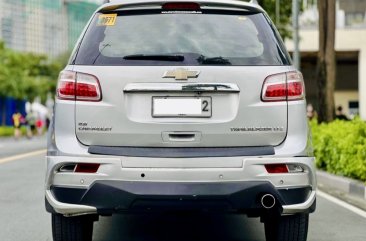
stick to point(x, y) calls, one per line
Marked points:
point(286, 86)
point(184, 6)
point(78, 86)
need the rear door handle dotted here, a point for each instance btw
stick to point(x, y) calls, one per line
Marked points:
point(181, 136)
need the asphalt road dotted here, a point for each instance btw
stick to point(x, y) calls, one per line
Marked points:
point(9, 146)
point(23, 218)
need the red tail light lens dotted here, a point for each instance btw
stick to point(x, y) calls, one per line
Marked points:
point(66, 89)
point(276, 168)
point(181, 6)
point(277, 91)
point(78, 86)
point(87, 168)
point(281, 87)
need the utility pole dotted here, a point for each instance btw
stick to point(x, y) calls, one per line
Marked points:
point(295, 33)
point(277, 13)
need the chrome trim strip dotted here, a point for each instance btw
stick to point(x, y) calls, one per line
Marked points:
point(298, 208)
point(181, 87)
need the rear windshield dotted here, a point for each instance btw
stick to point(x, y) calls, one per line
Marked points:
point(155, 38)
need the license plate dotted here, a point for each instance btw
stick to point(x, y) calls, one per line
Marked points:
point(182, 107)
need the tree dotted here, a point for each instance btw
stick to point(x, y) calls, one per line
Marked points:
point(27, 75)
point(326, 64)
point(285, 11)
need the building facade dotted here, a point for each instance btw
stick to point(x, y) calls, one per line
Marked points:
point(350, 89)
point(49, 27)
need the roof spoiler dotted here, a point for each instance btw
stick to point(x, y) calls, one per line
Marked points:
point(110, 6)
point(251, 1)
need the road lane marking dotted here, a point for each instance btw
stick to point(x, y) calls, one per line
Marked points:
point(21, 156)
point(343, 204)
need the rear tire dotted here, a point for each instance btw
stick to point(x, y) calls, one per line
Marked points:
point(78, 228)
point(287, 228)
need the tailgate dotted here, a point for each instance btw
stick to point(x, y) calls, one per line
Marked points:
point(140, 108)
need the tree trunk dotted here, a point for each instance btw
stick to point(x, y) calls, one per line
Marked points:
point(326, 65)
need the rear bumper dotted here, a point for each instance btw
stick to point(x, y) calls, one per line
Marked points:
point(108, 197)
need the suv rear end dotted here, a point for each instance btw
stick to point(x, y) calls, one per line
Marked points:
point(180, 106)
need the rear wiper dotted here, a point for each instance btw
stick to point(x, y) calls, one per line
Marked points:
point(159, 57)
point(214, 60)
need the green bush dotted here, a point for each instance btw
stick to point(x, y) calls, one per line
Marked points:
point(6, 131)
point(9, 131)
point(340, 147)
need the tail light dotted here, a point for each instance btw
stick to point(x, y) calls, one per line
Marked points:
point(280, 87)
point(78, 86)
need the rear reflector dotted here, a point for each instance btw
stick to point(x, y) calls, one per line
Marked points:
point(276, 168)
point(281, 87)
point(78, 86)
point(181, 6)
point(284, 168)
point(87, 168)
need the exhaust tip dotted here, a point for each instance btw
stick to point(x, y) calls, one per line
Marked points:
point(268, 201)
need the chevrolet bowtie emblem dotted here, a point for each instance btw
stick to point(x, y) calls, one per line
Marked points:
point(181, 74)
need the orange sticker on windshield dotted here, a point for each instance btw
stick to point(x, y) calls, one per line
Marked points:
point(107, 19)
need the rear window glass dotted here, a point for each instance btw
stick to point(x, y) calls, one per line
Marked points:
point(202, 39)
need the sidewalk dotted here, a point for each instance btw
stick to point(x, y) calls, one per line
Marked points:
point(346, 189)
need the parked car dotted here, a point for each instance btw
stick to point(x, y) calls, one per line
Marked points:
point(176, 105)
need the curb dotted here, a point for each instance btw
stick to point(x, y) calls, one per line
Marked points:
point(342, 184)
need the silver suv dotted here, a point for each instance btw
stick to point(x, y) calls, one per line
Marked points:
point(180, 106)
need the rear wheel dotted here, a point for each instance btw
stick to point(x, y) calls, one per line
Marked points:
point(287, 228)
point(78, 228)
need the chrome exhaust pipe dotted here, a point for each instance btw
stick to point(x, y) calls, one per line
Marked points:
point(268, 201)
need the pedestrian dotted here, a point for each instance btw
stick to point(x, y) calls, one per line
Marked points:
point(340, 115)
point(17, 122)
point(39, 125)
point(310, 112)
point(31, 123)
